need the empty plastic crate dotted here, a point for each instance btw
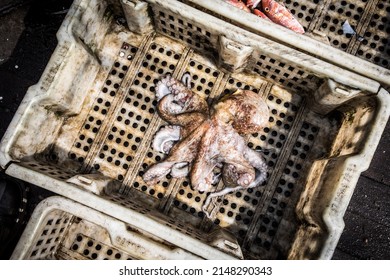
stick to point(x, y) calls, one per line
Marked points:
point(84, 131)
point(63, 229)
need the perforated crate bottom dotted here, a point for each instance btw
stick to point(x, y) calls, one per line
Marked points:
point(118, 122)
point(65, 236)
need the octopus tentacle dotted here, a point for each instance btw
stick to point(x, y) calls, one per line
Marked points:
point(186, 80)
point(217, 194)
point(183, 152)
point(237, 170)
point(179, 105)
point(239, 173)
point(158, 171)
point(202, 175)
point(164, 87)
point(180, 170)
point(172, 113)
point(244, 168)
point(165, 138)
point(258, 162)
point(187, 148)
point(258, 180)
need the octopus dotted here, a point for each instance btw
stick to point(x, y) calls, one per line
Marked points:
point(207, 142)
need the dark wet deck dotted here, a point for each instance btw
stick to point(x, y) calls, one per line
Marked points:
point(27, 39)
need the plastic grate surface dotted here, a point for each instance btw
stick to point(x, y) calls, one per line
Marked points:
point(173, 223)
point(54, 227)
point(182, 227)
point(102, 103)
point(288, 75)
point(95, 250)
point(49, 169)
point(124, 201)
point(303, 10)
point(136, 112)
point(273, 212)
point(190, 200)
point(184, 30)
point(376, 44)
point(369, 18)
point(203, 77)
point(338, 12)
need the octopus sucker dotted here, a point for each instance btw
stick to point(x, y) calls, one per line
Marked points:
point(165, 138)
point(200, 139)
point(180, 169)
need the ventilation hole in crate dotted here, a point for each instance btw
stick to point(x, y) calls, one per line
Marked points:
point(34, 253)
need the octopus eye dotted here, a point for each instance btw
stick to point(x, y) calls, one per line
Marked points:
point(266, 9)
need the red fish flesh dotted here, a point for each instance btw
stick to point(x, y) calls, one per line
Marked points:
point(280, 15)
point(259, 13)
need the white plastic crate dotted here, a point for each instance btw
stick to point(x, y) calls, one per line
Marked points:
point(84, 130)
point(63, 229)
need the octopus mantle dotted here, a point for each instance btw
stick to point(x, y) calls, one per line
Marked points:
point(202, 139)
